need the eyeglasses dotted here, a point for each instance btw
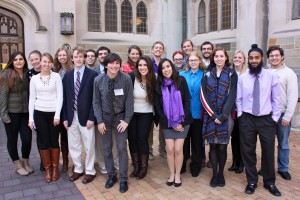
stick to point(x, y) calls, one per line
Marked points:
point(274, 56)
point(178, 59)
point(196, 60)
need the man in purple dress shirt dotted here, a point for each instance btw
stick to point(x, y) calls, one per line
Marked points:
point(258, 109)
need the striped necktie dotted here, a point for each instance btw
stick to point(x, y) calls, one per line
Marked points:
point(76, 89)
point(256, 95)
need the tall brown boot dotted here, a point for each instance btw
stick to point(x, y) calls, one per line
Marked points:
point(55, 161)
point(143, 166)
point(46, 158)
point(65, 154)
point(135, 164)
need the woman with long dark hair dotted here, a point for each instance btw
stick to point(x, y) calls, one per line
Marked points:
point(45, 103)
point(218, 93)
point(143, 79)
point(172, 103)
point(14, 84)
point(62, 64)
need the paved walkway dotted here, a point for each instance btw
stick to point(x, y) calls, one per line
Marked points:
point(13, 186)
point(153, 185)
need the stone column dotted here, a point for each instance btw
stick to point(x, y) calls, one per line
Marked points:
point(252, 24)
point(172, 28)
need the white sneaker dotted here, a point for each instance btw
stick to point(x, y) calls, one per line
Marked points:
point(103, 170)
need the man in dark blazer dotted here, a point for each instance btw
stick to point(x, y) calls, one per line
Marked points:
point(78, 115)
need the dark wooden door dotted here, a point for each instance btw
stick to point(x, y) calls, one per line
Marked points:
point(11, 34)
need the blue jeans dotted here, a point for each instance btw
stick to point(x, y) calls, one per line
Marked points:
point(283, 133)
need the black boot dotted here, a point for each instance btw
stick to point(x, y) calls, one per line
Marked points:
point(143, 166)
point(233, 166)
point(42, 168)
point(135, 164)
point(65, 156)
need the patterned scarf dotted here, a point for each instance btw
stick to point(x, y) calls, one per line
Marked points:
point(172, 103)
point(217, 95)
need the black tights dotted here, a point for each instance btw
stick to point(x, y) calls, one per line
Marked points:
point(218, 157)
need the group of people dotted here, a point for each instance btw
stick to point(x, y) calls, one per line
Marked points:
point(194, 99)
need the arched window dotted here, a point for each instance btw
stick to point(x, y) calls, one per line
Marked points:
point(94, 16)
point(201, 17)
point(126, 17)
point(226, 14)
point(235, 13)
point(296, 9)
point(141, 18)
point(111, 18)
point(213, 15)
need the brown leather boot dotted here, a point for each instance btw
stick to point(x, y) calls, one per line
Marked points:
point(65, 154)
point(143, 166)
point(46, 158)
point(135, 164)
point(55, 160)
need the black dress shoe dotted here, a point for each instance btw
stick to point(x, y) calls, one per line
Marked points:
point(273, 190)
point(250, 188)
point(169, 183)
point(239, 170)
point(123, 186)
point(221, 180)
point(285, 175)
point(214, 181)
point(233, 167)
point(195, 172)
point(110, 182)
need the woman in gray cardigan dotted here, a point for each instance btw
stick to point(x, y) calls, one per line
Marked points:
point(14, 85)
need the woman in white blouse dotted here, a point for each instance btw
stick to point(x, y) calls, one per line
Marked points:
point(45, 103)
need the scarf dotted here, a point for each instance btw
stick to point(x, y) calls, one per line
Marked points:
point(172, 103)
point(217, 95)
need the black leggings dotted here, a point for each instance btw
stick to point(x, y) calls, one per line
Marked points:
point(47, 133)
point(138, 132)
point(235, 145)
point(19, 123)
point(218, 157)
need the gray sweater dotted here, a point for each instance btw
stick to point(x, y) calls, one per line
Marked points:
point(14, 99)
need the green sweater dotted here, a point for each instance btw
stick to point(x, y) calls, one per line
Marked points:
point(13, 100)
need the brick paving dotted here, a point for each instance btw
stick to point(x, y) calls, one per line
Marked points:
point(153, 185)
point(13, 186)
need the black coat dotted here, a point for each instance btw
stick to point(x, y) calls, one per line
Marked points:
point(186, 99)
point(84, 99)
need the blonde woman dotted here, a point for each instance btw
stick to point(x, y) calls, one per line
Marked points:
point(239, 64)
point(63, 64)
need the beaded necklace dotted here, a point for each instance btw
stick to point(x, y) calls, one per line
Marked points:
point(47, 81)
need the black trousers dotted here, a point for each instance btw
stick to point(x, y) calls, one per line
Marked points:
point(235, 145)
point(138, 132)
point(250, 126)
point(194, 137)
point(18, 124)
point(47, 133)
point(63, 133)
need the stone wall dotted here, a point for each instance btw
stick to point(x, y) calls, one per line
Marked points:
point(291, 46)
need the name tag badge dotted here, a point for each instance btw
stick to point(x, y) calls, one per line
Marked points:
point(119, 92)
